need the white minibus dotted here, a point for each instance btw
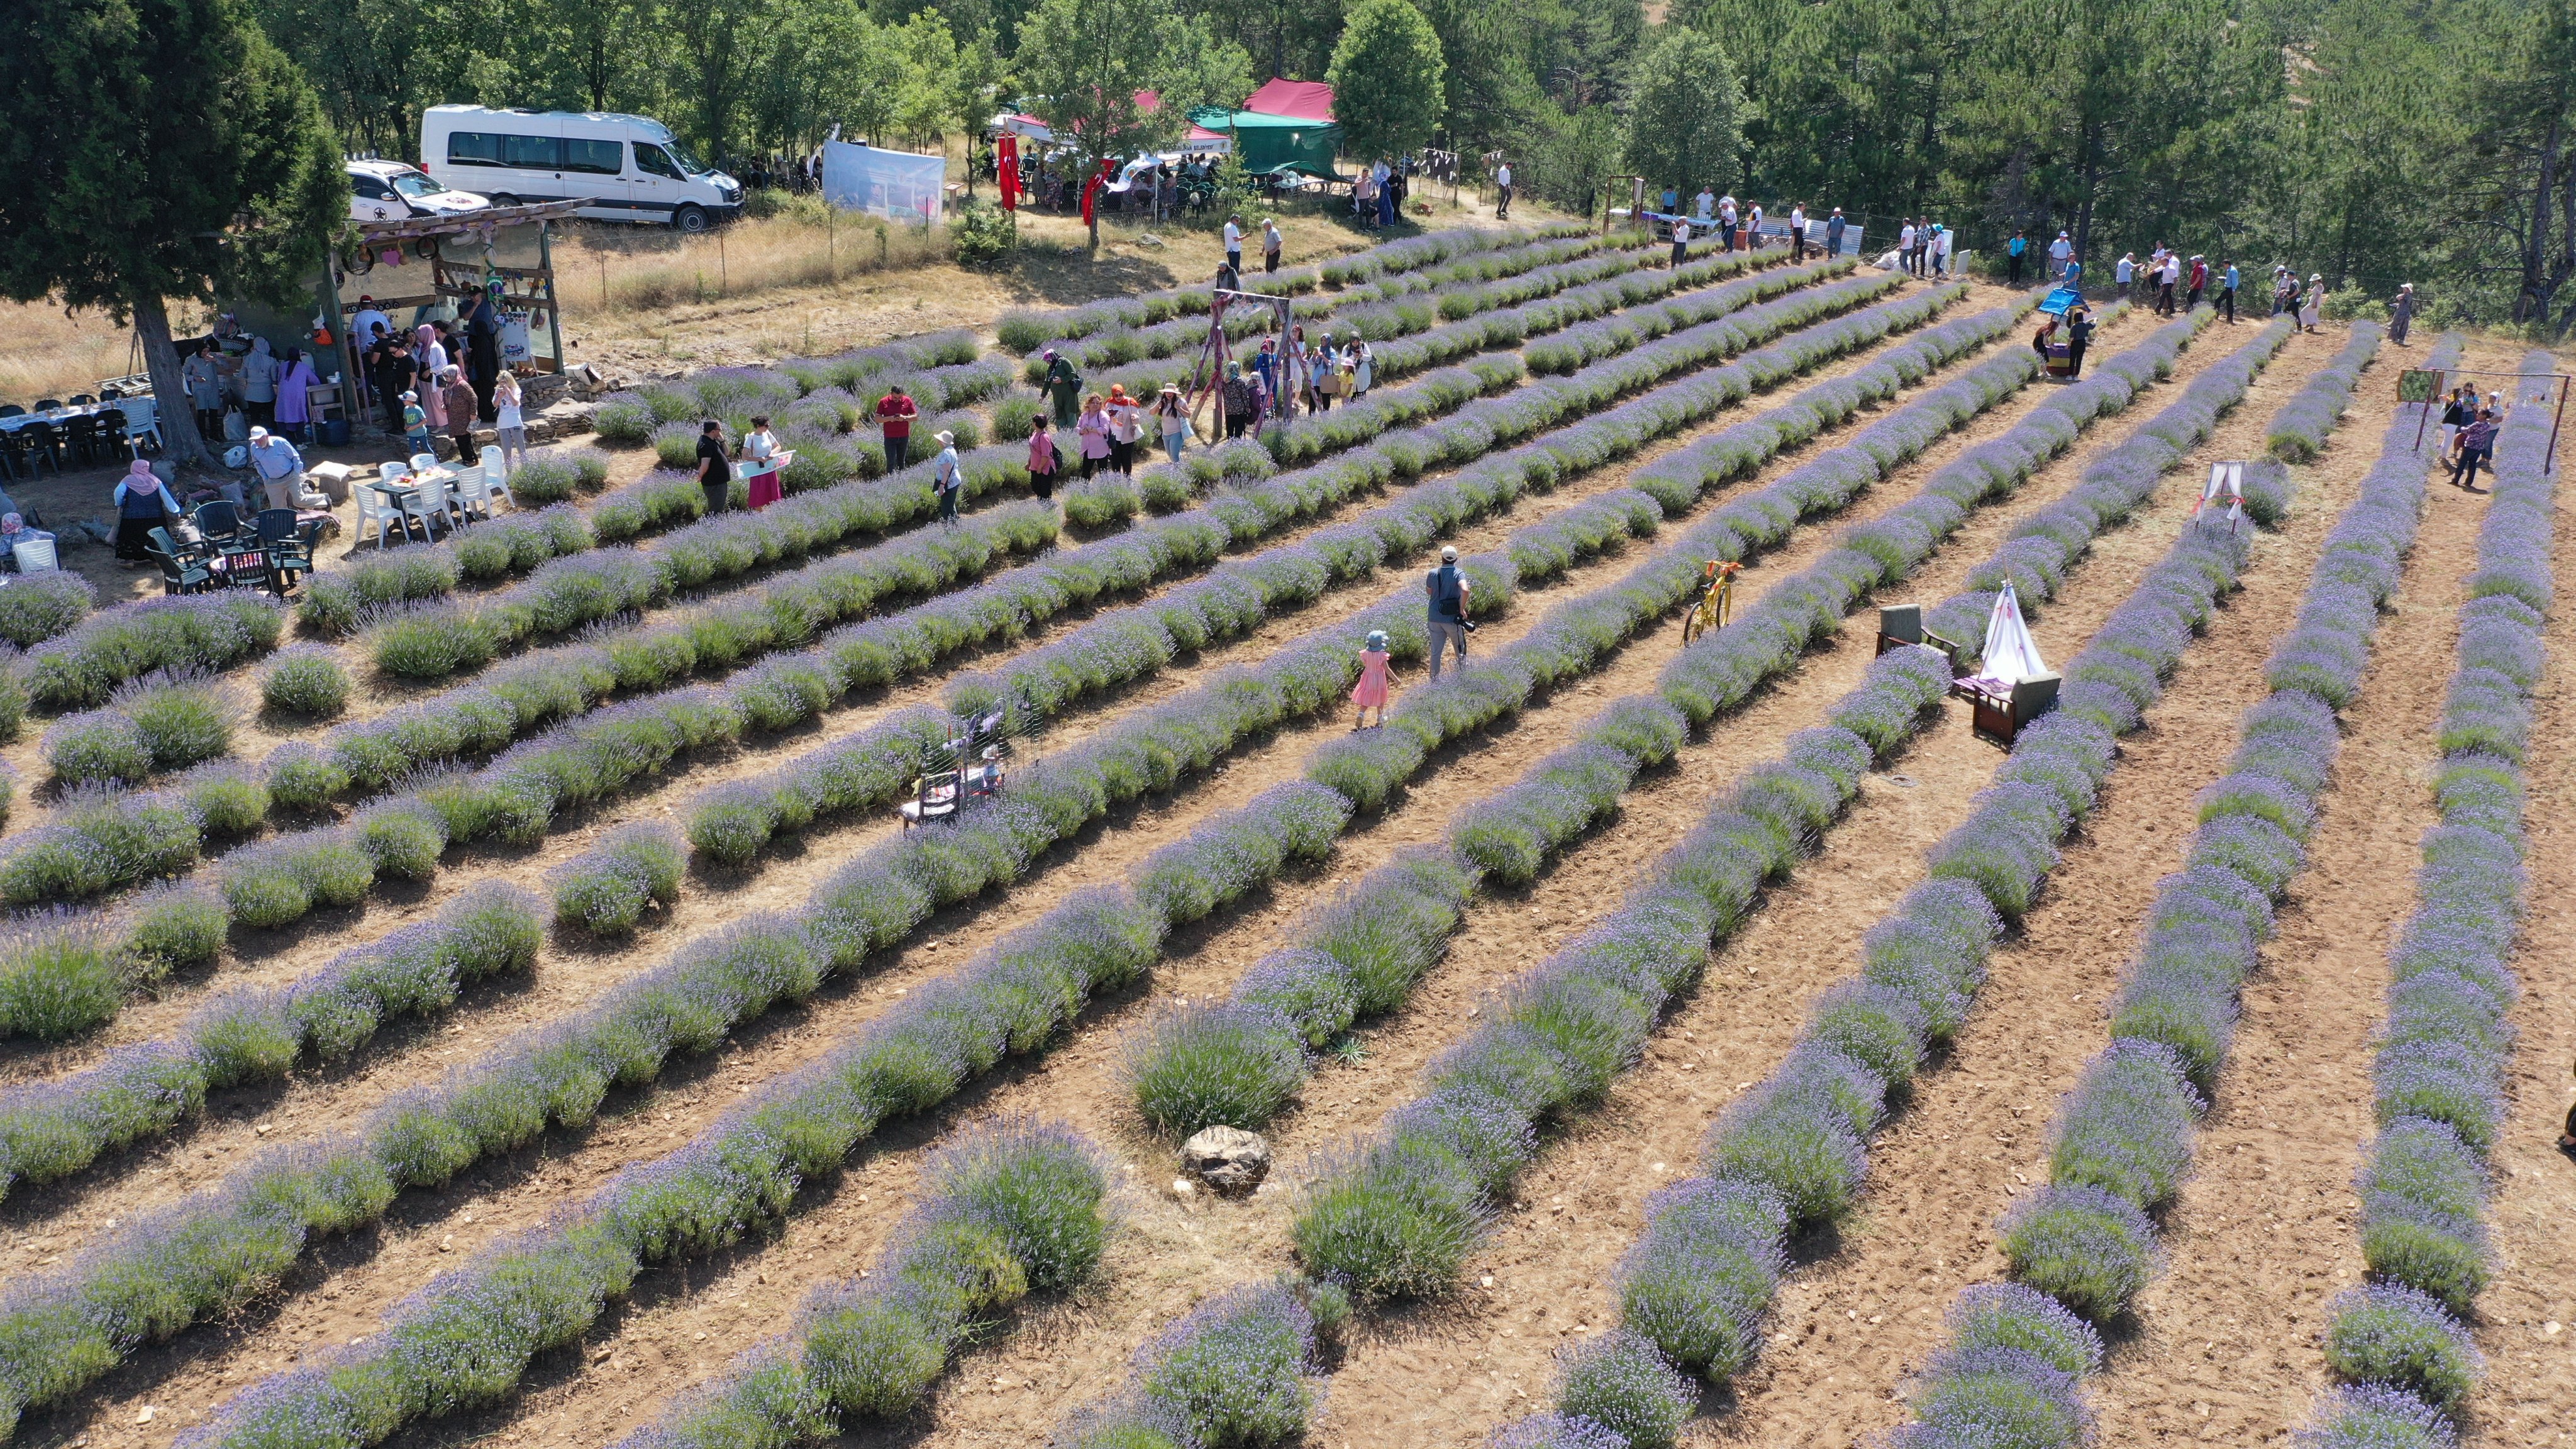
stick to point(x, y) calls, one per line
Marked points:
point(629, 168)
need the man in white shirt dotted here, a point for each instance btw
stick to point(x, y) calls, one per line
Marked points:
point(1234, 244)
point(1753, 226)
point(1905, 247)
point(1726, 221)
point(1704, 206)
point(1502, 191)
point(2125, 272)
point(1271, 241)
point(1798, 232)
point(1681, 239)
point(2058, 251)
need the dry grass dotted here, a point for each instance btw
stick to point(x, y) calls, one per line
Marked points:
point(617, 276)
point(45, 352)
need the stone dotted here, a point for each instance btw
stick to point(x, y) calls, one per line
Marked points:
point(1227, 1159)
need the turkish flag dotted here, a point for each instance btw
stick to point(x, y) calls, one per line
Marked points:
point(1090, 189)
point(1006, 163)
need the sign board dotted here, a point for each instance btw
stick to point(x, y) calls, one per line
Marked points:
point(894, 184)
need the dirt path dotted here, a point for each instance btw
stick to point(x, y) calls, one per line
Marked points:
point(1168, 1259)
point(357, 1277)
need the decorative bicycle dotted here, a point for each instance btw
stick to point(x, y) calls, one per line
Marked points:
point(1716, 599)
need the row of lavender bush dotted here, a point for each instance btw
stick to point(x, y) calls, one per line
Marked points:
point(518, 794)
point(36, 607)
point(81, 669)
point(1005, 1210)
point(1013, 999)
point(1241, 1062)
point(1789, 1156)
point(2082, 1247)
point(2400, 1343)
point(871, 904)
point(629, 417)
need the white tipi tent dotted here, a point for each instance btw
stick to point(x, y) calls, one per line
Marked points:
point(2011, 655)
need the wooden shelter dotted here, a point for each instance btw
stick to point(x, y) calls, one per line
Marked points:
point(465, 254)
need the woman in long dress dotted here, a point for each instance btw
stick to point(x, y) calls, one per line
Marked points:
point(2314, 306)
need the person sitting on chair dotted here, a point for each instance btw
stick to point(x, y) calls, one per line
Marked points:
point(13, 532)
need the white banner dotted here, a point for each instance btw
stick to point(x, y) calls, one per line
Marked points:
point(895, 184)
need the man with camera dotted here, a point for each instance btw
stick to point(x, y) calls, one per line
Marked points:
point(1447, 588)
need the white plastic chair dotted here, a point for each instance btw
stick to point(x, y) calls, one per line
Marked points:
point(374, 508)
point(142, 419)
point(35, 556)
point(466, 494)
point(498, 475)
point(430, 502)
point(424, 462)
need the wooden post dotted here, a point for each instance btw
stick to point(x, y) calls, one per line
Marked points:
point(554, 310)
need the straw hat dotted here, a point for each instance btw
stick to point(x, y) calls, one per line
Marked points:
point(946, 438)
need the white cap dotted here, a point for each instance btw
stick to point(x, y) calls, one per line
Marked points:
point(1448, 553)
point(259, 435)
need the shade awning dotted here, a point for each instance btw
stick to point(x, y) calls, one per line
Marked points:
point(1270, 144)
point(1305, 100)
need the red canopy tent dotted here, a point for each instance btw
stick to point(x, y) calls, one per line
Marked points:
point(1305, 100)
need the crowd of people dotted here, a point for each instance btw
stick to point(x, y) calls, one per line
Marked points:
point(440, 376)
point(1739, 226)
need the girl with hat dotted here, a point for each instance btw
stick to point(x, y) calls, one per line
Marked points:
point(1370, 693)
point(1126, 427)
point(1175, 418)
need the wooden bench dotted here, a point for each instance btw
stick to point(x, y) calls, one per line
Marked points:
point(1902, 624)
point(1999, 714)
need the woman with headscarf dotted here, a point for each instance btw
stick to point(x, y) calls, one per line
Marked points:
point(429, 373)
point(294, 409)
point(2314, 307)
point(456, 398)
point(1363, 369)
point(259, 383)
point(482, 348)
point(142, 505)
point(15, 530)
point(1063, 388)
point(1238, 400)
point(203, 377)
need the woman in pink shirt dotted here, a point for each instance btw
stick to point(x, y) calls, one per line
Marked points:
point(1370, 692)
point(1043, 459)
point(1093, 429)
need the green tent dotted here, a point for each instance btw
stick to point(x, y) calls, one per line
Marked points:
point(1272, 144)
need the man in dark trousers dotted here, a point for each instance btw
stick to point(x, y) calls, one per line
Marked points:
point(715, 470)
point(1446, 587)
point(483, 350)
point(895, 412)
point(2079, 332)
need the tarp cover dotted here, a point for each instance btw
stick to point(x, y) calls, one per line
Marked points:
point(1306, 100)
point(2011, 654)
point(883, 183)
point(1270, 144)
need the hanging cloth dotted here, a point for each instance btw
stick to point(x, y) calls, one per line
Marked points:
point(1006, 168)
point(2227, 481)
point(2011, 655)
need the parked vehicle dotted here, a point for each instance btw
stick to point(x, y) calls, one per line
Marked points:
point(626, 168)
point(390, 191)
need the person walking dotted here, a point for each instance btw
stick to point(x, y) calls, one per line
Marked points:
point(715, 468)
point(2060, 252)
point(1447, 588)
point(895, 414)
point(1044, 461)
point(1064, 388)
point(1945, 244)
point(1174, 417)
point(947, 476)
point(2476, 448)
point(294, 396)
point(2228, 282)
point(2401, 314)
point(2079, 335)
point(2016, 251)
point(1753, 227)
point(456, 397)
point(393, 378)
point(1371, 692)
point(1271, 242)
point(2458, 411)
point(1834, 227)
point(1681, 241)
point(1363, 369)
point(509, 420)
point(1233, 250)
point(1503, 191)
point(2314, 306)
point(483, 349)
point(2199, 281)
point(1091, 432)
point(2285, 292)
point(142, 505)
point(429, 372)
point(2168, 276)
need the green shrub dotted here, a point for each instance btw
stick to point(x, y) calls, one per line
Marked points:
point(305, 680)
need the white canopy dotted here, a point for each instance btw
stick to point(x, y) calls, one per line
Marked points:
point(2011, 655)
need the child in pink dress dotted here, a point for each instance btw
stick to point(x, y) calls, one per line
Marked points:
point(1370, 692)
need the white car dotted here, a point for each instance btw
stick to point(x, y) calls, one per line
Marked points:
point(619, 167)
point(392, 191)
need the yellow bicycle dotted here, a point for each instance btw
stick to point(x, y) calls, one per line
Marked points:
point(1716, 599)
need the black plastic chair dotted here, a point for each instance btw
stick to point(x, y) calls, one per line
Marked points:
point(218, 519)
point(112, 441)
point(81, 440)
point(12, 410)
point(41, 443)
point(181, 573)
point(80, 399)
point(289, 549)
point(110, 394)
point(49, 404)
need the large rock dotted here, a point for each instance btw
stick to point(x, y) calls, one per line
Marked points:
point(1228, 1159)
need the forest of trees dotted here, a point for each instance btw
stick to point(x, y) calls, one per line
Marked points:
point(2375, 141)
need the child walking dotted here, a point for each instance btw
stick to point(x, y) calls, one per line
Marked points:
point(1370, 692)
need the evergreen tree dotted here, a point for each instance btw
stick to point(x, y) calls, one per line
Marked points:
point(1687, 130)
point(1387, 75)
point(159, 150)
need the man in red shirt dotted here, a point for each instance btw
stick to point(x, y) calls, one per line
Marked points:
point(895, 412)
